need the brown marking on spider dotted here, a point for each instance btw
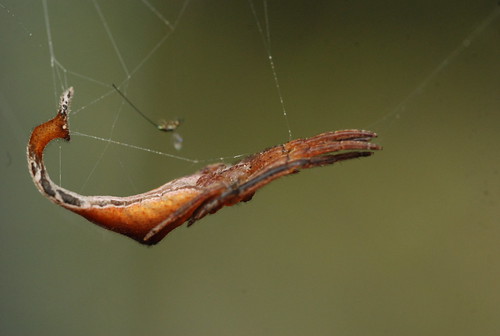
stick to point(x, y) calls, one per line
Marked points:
point(150, 216)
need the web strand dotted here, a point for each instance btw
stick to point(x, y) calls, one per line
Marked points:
point(399, 109)
point(158, 14)
point(111, 38)
point(148, 150)
point(51, 46)
point(266, 40)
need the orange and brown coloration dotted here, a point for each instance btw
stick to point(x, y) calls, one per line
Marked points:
point(150, 216)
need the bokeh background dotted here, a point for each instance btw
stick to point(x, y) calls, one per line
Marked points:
point(403, 243)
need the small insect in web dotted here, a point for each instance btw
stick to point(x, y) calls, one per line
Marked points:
point(150, 216)
point(163, 125)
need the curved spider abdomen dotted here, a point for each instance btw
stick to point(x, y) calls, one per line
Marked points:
point(150, 216)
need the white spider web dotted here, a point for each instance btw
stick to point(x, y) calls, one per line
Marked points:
point(63, 76)
point(130, 50)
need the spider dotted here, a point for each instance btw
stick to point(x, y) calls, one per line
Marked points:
point(150, 216)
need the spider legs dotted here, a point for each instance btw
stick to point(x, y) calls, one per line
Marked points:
point(244, 192)
point(227, 185)
point(331, 142)
point(288, 159)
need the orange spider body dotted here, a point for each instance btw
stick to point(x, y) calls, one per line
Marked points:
point(150, 216)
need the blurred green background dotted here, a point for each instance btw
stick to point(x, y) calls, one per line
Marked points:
point(403, 243)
